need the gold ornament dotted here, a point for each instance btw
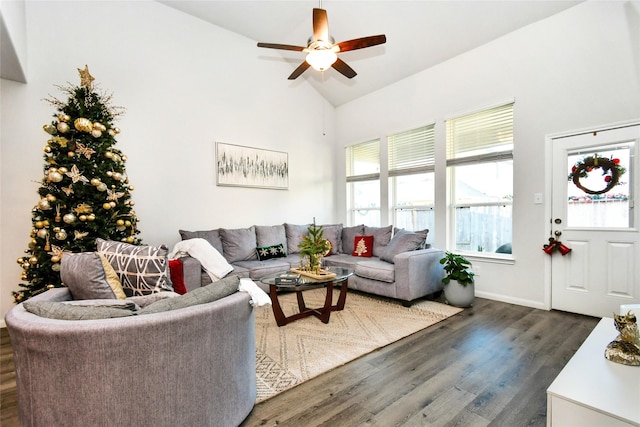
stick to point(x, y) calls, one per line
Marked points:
point(96, 133)
point(50, 197)
point(83, 124)
point(55, 267)
point(83, 208)
point(86, 79)
point(33, 260)
point(69, 218)
point(49, 128)
point(42, 233)
point(76, 175)
point(71, 154)
point(106, 206)
point(55, 259)
point(63, 127)
point(44, 205)
point(61, 235)
point(38, 224)
point(84, 150)
point(79, 234)
point(119, 222)
point(111, 132)
point(60, 140)
point(63, 170)
point(82, 218)
point(91, 217)
point(108, 155)
point(102, 187)
point(46, 149)
point(64, 117)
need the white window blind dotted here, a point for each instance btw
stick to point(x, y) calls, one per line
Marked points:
point(363, 161)
point(412, 151)
point(482, 136)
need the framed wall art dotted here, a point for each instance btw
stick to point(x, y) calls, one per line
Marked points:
point(240, 166)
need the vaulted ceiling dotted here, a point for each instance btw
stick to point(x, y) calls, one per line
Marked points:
point(420, 33)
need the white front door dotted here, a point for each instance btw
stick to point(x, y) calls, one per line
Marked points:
point(595, 183)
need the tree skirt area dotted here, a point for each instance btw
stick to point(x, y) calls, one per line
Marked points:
point(306, 348)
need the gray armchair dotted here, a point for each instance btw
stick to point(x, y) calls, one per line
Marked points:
point(193, 366)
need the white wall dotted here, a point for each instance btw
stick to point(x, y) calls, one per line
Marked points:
point(185, 84)
point(575, 70)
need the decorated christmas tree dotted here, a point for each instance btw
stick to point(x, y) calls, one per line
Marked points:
point(84, 194)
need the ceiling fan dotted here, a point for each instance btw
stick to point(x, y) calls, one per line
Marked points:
point(321, 49)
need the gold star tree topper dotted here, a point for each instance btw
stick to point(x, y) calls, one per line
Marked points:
point(86, 79)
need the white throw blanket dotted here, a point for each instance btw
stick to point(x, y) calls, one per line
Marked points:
point(212, 261)
point(258, 296)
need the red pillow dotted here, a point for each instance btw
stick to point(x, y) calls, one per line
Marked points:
point(177, 276)
point(363, 246)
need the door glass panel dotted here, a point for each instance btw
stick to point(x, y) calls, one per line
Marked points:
point(598, 187)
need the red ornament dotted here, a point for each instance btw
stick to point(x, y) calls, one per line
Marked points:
point(616, 161)
point(607, 178)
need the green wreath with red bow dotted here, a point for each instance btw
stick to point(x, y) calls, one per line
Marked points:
point(611, 172)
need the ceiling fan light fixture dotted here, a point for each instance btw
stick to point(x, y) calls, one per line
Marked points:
point(321, 59)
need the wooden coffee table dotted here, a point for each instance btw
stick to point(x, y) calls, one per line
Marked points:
point(305, 283)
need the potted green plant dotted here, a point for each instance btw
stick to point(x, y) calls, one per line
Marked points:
point(313, 247)
point(459, 289)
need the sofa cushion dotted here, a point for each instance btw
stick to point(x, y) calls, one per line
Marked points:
point(424, 232)
point(295, 233)
point(239, 244)
point(363, 246)
point(333, 233)
point(203, 295)
point(269, 252)
point(348, 234)
point(376, 270)
point(211, 236)
point(258, 269)
point(142, 269)
point(65, 311)
point(88, 275)
point(381, 237)
point(269, 235)
point(402, 241)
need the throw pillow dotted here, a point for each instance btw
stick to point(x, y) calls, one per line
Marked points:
point(269, 252)
point(141, 269)
point(295, 233)
point(211, 236)
point(176, 272)
point(269, 235)
point(381, 237)
point(62, 311)
point(403, 241)
point(239, 244)
point(203, 295)
point(88, 275)
point(348, 235)
point(363, 246)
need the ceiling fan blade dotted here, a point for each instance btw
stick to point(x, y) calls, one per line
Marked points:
point(301, 69)
point(361, 42)
point(281, 46)
point(320, 25)
point(344, 69)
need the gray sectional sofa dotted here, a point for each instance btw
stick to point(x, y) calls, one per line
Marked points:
point(401, 266)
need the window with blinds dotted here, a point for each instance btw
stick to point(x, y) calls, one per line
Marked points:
point(412, 152)
point(485, 135)
point(363, 161)
point(479, 150)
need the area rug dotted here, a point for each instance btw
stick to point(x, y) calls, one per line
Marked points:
point(306, 348)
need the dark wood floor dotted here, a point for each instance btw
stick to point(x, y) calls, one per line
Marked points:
point(487, 366)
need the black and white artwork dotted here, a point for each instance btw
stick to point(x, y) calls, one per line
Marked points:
point(241, 166)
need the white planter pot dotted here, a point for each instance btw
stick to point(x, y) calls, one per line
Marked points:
point(458, 295)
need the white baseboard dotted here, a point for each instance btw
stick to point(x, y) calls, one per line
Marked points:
point(511, 300)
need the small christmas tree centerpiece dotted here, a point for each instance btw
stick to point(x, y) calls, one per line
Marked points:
point(312, 248)
point(84, 193)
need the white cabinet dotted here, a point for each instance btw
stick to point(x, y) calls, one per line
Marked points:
point(593, 391)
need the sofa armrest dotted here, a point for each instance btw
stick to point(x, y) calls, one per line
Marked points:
point(192, 273)
point(418, 273)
